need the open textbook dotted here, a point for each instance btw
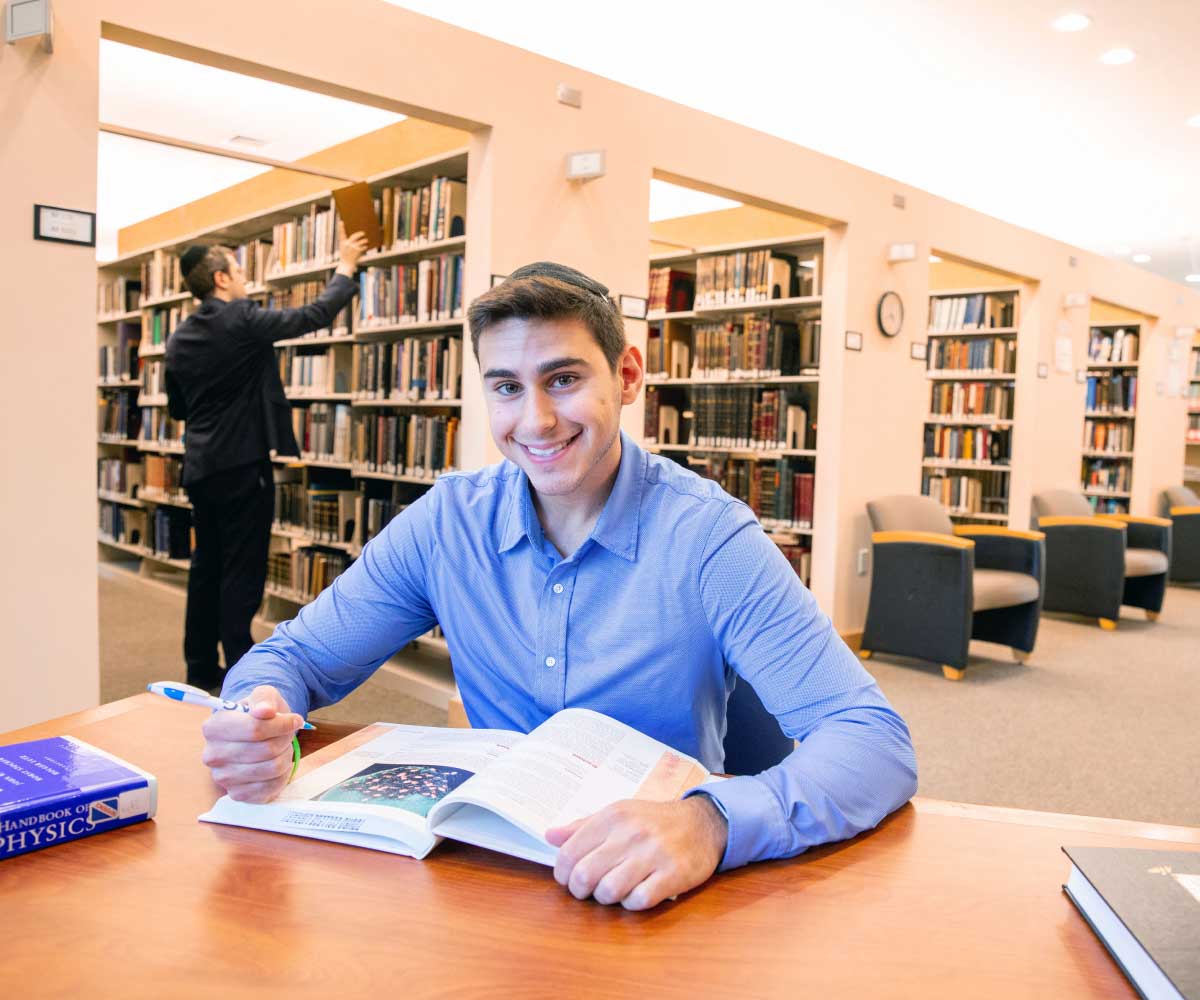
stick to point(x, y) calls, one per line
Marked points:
point(403, 788)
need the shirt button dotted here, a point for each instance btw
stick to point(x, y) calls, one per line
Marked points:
point(558, 588)
point(550, 661)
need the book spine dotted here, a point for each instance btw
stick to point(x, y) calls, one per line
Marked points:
point(74, 817)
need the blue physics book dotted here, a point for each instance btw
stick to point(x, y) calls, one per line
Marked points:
point(61, 789)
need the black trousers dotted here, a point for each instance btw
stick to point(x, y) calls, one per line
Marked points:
point(231, 513)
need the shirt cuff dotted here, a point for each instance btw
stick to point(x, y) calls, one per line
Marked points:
point(752, 812)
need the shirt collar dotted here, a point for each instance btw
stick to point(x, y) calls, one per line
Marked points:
point(617, 527)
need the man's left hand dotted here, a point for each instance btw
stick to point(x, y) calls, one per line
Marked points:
point(639, 853)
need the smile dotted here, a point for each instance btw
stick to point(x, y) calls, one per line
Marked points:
point(552, 451)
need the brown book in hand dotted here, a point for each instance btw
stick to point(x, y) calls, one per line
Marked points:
point(357, 209)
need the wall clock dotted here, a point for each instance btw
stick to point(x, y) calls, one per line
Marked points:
point(890, 314)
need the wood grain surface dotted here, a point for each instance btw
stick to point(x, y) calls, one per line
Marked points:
point(942, 900)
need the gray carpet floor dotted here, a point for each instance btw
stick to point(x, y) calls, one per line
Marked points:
point(1097, 723)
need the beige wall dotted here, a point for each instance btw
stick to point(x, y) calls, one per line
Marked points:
point(521, 209)
point(47, 409)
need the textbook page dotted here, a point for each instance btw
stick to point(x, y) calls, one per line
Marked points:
point(572, 765)
point(377, 795)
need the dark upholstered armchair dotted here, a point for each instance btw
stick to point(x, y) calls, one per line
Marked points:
point(1097, 562)
point(934, 587)
point(1182, 506)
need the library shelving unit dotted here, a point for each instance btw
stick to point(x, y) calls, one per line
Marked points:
point(971, 366)
point(376, 398)
point(1191, 467)
point(733, 375)
point(1110, 415)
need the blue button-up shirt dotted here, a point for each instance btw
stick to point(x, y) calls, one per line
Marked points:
point(675, 594)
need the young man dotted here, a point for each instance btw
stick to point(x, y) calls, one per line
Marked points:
point(222, 379)
point(583, 571)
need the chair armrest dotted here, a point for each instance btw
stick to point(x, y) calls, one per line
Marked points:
point(1145, 532)
point(1070, 520)
point(1006, 548)
point(1184, 511)
point(921, 538)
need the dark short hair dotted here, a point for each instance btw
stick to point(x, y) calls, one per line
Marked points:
point(199, 278)
point(551, 291)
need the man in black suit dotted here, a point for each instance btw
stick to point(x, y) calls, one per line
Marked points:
point(223, 380)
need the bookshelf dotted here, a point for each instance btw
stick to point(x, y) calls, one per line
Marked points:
point(733, 375)
point(376, 399)
point(971, 368)
point(1191, 464)
point(1110, 416)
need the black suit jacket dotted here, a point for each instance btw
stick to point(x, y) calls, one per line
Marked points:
point(222, 378)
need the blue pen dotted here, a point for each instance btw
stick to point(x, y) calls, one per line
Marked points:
point(195, 696)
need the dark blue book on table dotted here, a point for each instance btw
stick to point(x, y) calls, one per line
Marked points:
point(61, 789)
point(1144, 905)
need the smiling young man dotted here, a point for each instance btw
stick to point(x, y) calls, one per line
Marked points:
point(583, 571)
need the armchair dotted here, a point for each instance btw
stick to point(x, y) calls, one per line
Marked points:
point(934, 587)
point(1097, 562)
point(1182, 506)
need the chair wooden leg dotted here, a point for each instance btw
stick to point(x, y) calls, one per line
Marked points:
point(1108, 624)
point(951, 674)
point(1152, 616)
point(1021, 656)
point(864, 654)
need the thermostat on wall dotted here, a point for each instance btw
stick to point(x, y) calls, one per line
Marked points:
point(585, 166)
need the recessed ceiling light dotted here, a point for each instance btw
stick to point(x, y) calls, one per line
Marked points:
point(1194, 121)
point(247, 140)
point(1122, 251)
point(1141, 258)
point(1193, 278)
point(934, 259)
point(1071, 22)
point(1118, 57)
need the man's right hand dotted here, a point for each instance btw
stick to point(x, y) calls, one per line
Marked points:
point(352, 248)
point(250, 753)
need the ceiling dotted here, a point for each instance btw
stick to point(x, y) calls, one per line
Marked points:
point(980, 103)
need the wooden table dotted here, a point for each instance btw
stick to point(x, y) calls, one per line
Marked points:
point(942, 900)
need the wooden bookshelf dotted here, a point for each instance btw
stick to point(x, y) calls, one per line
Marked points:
point(971, 370)
point(1106, 468)
point(730, 301)
point(117, 326)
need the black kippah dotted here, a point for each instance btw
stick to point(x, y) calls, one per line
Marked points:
point(548, 269)
point(191, 257)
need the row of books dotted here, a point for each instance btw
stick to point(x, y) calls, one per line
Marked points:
point(158, 427)
point(1109, 505)
point(755, 346)
point(322, 431)
point(1107, 345)
point(159, 324)
point(315, 374)
point(426, 291)
point(992, 356)
point(413, 368)
point(1112, 393)
point(1193, 428)
point(254, 258)
point(304, 573)
point(411, 216)
point(308, 240)
point(971, 399)
point(747, 276)
point(404, 444)
point(974, 492)
point(154, 378)
point(165, 531)
point(159, 276)
point(374, 514)
point(748, 418)
point(780, 497)
point(344, 516)
point(118, 416)
point(1101, 475)
point(1108, 435)
point(119, 362)
point(118, 295)
point(977, 311)
point(671, 290)
point(967, 444)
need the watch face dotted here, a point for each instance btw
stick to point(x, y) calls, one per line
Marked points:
point(890, 314)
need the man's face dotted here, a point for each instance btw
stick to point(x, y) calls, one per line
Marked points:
point(233, 283)
point(554, 405)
